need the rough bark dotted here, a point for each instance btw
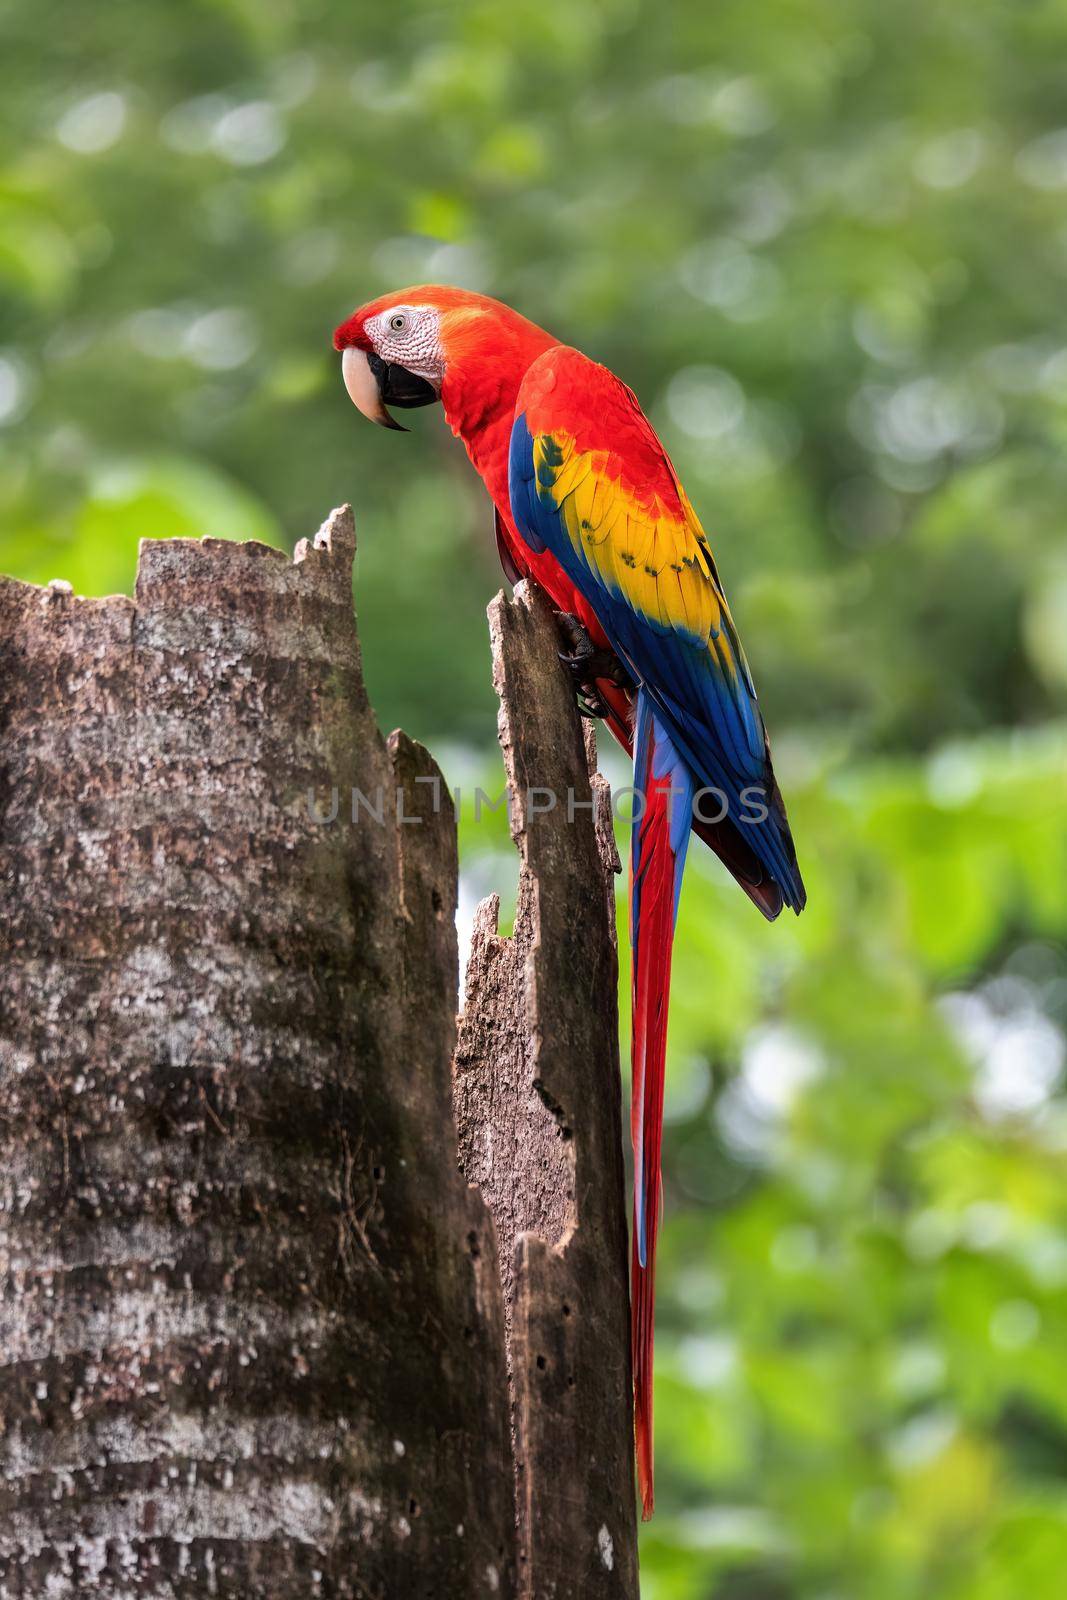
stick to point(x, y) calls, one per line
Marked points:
point(251, 1332)
point(255, 1328)
point(536, 1086)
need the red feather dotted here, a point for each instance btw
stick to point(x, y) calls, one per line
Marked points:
point(656, 867)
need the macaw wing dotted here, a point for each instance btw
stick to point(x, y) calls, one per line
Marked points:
point(590, 481)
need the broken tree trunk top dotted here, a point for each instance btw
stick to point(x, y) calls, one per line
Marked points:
point(254, 1324)
point(537, 1097)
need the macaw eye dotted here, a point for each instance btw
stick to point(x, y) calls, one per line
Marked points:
point(398, 322)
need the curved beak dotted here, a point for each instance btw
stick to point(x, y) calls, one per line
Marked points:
point(371, 382)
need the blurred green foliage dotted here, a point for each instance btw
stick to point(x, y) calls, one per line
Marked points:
point(825, 240)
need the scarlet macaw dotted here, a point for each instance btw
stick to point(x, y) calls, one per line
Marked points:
point(589, 506)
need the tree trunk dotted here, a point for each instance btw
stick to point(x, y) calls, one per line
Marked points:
point(252, 1335)
point(537, 1096)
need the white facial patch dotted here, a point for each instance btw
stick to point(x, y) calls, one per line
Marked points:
point(410, 336)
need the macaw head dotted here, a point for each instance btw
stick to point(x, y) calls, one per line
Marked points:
point(431, 342)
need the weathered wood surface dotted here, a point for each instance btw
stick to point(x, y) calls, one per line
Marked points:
point(253, 1336)
point(536, 1083)
point(251, 1333)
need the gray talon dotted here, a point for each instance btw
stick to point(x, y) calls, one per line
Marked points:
point(586, 663)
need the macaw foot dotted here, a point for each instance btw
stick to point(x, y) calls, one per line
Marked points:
point(586, 662)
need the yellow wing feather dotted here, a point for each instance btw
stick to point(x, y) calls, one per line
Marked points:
point(659, 562)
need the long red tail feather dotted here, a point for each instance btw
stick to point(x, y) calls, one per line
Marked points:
point(657, 859)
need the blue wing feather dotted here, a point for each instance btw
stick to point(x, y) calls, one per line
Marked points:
point(702, 691)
